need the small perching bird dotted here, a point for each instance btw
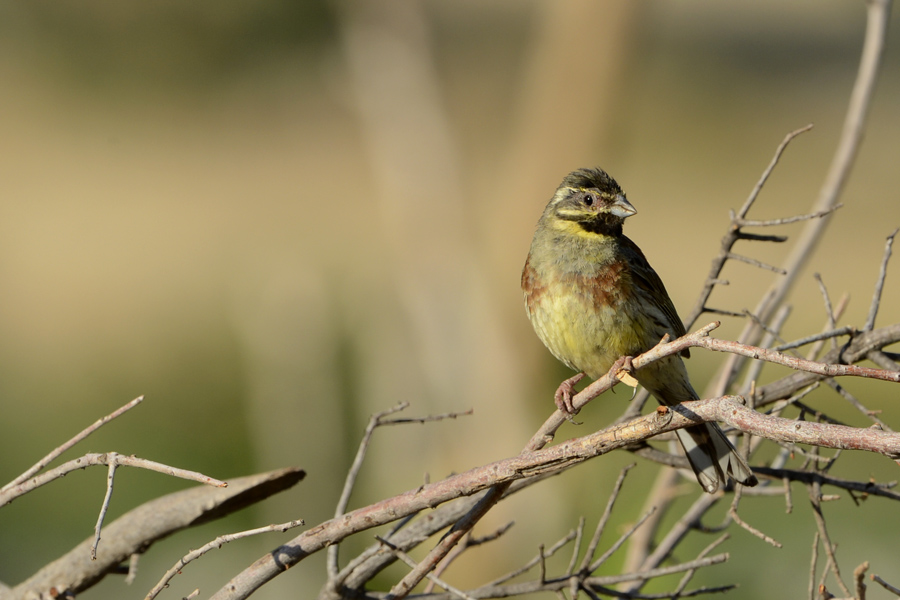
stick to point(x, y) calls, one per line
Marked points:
point(592, 298)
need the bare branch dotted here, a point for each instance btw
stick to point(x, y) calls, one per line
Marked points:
point(812, 566)
point(815, 496)
point(601, 524)
point(755, 263)
point(37, 467)
point(885, 584)
point(879, 285)
point(216, 543)
point(113, 463)
point(788, 220)
point(139, 528)
point(808, 477)
point(688, 575)
point(499, 475)
point(733, 234)
point(825, 335)
point(877, 14)
point(618, 544)
point(352, 474)
point(409, 561)
point(89, 460)
point(859, 574)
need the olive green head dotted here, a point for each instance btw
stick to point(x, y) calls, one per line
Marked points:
point(589, 200)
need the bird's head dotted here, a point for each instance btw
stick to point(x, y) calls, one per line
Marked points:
point(590, 200)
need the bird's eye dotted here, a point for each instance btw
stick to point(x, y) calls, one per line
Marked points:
point(589, 199)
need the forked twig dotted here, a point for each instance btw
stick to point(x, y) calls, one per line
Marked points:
point(110, 476)
point(89, 460)
point(37, 467)
point(214, 544)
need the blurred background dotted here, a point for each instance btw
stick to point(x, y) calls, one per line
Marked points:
point(276, 218)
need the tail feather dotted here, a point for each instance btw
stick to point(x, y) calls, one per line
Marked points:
point(713, 458)
point(711, 455)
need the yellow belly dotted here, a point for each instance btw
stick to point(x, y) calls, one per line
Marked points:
point(585, 335)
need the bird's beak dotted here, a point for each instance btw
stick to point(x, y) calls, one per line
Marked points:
point(622, 208)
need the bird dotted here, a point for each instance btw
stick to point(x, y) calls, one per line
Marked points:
point(593, 298)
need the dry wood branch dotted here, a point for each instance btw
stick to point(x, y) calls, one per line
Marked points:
point(498, 475)
point(863, 487)
point(216, 543)
point(90, 460)
point(877, 14)
point(138, 529)
point(859, 575)
point(894, 590)
point(585, 567)
point(689, 574)
point(110, 476)
point(689, 520)
point(879, 284)
point(858, 349)
point(734, 233)
point(434, 578)
point(37, 467)
point(352, 474)
point(596, 584)
point(374, 559)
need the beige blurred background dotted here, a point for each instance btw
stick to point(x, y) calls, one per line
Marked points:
point(275, 218)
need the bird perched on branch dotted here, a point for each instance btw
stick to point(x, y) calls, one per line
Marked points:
point(592, 298)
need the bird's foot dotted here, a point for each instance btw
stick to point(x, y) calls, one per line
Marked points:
point(623, 368)
point(564, 394)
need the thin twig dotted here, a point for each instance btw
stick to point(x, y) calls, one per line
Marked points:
point(576, 547)
point(756, 263)
point(618, 544)
point(855, 403)
point(687, 521)
point(753, 530)
point(825, 335)
point(879, 285)
point(133, 561)
point(534, 561)
point(62, 448)
point(350, 480)
point(885, 584)
point(788, 220)
point(216, 543)
point(877, 18)
point(772, 334)
point(883, 360)
point(815, 497)
point(728, 241)
point(662, 495)
point(89, 460)
point(110, 476)
point(829, 311)
point(812, 566)
point(409, 561)
point(601, 524)
point(690, 574)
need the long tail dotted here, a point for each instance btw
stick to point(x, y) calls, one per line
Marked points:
point(713, 458)
point(711, 455)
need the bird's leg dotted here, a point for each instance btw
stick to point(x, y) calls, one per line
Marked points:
point(564, 393)
point(623, 368)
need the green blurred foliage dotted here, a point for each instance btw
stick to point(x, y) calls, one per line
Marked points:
point(193, 209)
